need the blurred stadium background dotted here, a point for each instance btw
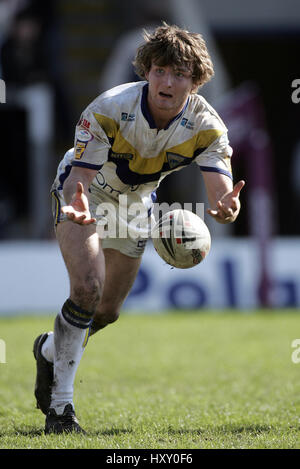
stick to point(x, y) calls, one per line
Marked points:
point(57, 56)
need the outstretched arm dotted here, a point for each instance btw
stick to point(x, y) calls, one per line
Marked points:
point(223, 197)
point(75, 190)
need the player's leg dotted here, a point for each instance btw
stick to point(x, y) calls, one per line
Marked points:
point(84, 259)
point(85, 263)
point(121, 271)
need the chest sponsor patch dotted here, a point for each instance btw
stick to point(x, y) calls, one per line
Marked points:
point(121, 156)
point(174, 159)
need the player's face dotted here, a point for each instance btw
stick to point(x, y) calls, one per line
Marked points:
point(169, 88)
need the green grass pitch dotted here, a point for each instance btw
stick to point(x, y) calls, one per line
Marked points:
point(181, 380)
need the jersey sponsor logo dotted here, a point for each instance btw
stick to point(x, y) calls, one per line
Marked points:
point(127, 117)
point(79, 149)
point(84, 123)
point(83, 135)
point(104, 184)
point(109, 188)
point(188, 124)
point(174, 159)
point(121, 156)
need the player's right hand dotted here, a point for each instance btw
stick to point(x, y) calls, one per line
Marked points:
point(78, 211)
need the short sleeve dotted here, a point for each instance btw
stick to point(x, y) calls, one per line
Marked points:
point(216, 157)
point(91, 144)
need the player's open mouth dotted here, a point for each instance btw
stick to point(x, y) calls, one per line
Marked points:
point(165, 95)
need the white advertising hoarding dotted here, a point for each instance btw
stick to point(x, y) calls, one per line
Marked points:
point(34, 279)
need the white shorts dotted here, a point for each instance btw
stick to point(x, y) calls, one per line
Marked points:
point(127, 234)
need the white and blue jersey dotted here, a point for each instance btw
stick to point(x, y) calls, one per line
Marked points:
point(116, 136)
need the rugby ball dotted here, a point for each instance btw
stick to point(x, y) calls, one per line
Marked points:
point(181, 238)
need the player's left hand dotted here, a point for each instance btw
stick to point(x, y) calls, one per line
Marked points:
point(228, 206)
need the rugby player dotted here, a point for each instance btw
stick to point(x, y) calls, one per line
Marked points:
point(126, 141)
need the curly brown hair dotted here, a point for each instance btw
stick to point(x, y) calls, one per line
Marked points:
point(171, 45)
